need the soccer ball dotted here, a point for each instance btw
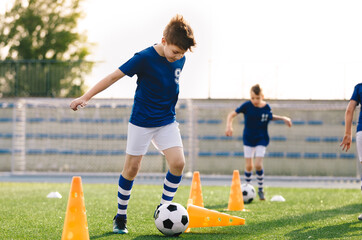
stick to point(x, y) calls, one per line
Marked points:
point(171, 219)
point(248, 192)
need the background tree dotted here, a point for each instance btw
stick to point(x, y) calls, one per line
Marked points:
point(45, 32)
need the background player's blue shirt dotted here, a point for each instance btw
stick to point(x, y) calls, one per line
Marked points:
point(256, 124)
point(157, 87)
point(356, 96)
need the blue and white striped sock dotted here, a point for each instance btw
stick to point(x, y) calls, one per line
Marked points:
point(248, 176)
point(260, 179)
point(170, 186)
point(124, 193)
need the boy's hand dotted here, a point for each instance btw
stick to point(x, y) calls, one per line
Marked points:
point(346, 142)
point(78, 103)
point(287, 121)
point(229, 132)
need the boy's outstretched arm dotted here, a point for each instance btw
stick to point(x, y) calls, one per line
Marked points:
point(99, 87)
point(229, 123)
point(347, 138)
point(286, 120)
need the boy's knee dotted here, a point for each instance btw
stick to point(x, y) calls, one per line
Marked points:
point(131, 171)
point(258, 167)
point(249, 167)
point(177, 166)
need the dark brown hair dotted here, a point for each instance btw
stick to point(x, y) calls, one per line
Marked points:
point(178, 32)
point(256, 89)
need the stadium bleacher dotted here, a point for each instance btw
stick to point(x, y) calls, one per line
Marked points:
point(100, 130)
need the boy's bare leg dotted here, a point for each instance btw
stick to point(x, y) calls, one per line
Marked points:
point(249, 164)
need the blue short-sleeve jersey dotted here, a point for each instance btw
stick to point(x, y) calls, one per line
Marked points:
point(256, 124)
point(157, 87)
point(356, 96)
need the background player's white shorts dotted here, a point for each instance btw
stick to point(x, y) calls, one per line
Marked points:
point(258, 151)
point(359, 145)
point(139, 138)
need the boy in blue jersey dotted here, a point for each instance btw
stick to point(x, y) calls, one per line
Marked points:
point(152, 119)
point(347, 138)
point(257, 115)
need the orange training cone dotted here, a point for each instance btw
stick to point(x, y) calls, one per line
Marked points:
point(236, 201)
point(195, 197)
point(202, 217)
point(75, 223)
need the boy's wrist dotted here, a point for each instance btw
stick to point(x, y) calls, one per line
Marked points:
point(85, 97)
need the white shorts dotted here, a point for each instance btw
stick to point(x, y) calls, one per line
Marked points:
point(359, 145)
point(139, 138)
point(258, 151)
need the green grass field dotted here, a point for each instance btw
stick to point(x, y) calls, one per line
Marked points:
point(26, 213)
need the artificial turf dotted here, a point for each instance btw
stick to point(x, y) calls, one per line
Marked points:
point(307, 213)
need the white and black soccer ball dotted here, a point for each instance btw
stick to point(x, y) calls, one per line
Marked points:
point(248, 192)
point(171, 219)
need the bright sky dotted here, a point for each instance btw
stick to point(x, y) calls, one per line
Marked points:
point(295, 49)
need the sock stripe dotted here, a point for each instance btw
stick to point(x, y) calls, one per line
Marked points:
point(167, 198)
point(122, 202)
point(122, 207)
point(173, 178)
point(124, 192)
point(248, 174)
point(169, 189)
point(123, 197)
point(167, 193)
point(126, 184)
point(122, 213)
point(170, 184)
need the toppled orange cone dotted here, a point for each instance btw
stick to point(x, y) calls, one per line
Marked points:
point(195, 196)
point(75, 223)
point(202, 217)
point(236, 201)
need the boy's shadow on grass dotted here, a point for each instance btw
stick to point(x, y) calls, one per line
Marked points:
point(191, 235)
point(214, 234)
point(107, 234)
point(331, 231)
